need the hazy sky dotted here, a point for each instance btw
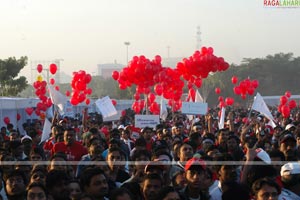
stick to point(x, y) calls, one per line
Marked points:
point(85, 33)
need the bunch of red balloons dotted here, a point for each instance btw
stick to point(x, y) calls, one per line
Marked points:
point(200, 64)
point(140, 71)
point(45, 102)
point(80, 89)
point(246, 86)
point(286, 105)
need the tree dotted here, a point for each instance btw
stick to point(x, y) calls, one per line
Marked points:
point(10, 85)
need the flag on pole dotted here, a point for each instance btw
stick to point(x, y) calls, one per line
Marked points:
point(222, 119)
point(163, 110)
point(198, 97)
point(58, 99)
point(260, 106)
point(46, 130)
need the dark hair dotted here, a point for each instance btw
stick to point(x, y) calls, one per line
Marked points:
point(235, 191)
point(59, 155)
point(259, 171)
point(38, 150)
point(87, 175)
point(163, 192)
point(276, 153)
point(119, 192)
point(37, 184)
point(54, 176)
point(13, 173)
point(258, 184)
point(140, 142)
point(152, 177)
point(138, 153)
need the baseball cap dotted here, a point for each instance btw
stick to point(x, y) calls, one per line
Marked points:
point(121, 127)
point(290, 168)
point(263, 155)
point(195, 164)
point(289, 126)
point(26, 137)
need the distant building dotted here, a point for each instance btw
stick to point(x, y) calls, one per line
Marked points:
point(105, 70)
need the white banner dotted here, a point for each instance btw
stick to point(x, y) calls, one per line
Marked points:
point(194, 108)
point(142, 121)
point(106, 107)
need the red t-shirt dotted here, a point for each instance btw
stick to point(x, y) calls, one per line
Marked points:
point(74, 152)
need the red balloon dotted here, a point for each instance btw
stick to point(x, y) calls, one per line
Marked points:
point(292, 104)
point(114, 102)
point(18, 116)
point(234, 80)
point(229, 101)
point(237, 90)
point(123, 113)
point(285, 110)
point(87, 101)
point(198, 82)
point(283, 100)
point(29, 111)
point(158, 89)
point(39, 68)
point(6, 120)
point(52, 81)
point(57, 88)
point(115, 75)
point(137, 96)
point(88, 78)
point(288, 94)
point(74, 101)
point(151, 98)
point(221, 98)
point(53, 68)
point(218, 90)
point(68, 93)
point(255, 84)
point(250, 90)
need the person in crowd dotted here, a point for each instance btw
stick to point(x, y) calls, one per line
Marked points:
point(35, 191)
point(194, 175)
point(120, 194)
point(265, 188)
point(117, 174)
point(290, 178)
point(94, 182)
point(168, 193)
point(15, 185)
point(72, 148)
point(57, 185)
point(150, 186)
point(74, 189)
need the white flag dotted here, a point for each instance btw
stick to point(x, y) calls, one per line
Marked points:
point(163, 110)
point(198, 97)
point(58, 99)
point(260, 106)
point(222, 119)
point(46, 130)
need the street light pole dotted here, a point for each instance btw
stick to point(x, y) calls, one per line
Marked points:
point(127, 44)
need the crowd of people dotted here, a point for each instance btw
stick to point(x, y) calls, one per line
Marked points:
point(183, 158)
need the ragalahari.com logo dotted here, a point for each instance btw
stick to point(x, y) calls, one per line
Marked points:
point(282, 3)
